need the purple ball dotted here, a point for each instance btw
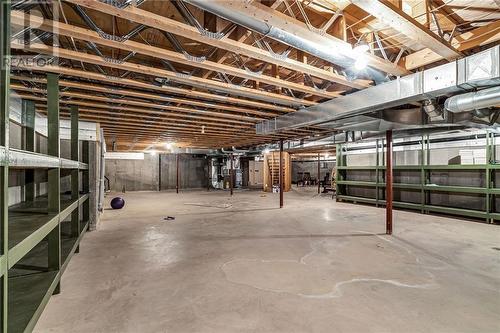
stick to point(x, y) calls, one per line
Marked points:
point(117, 203)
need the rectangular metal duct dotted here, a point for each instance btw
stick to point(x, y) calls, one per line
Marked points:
point(478, 70)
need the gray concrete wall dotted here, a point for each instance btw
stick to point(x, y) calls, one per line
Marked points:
point(192, 171)
point(144, 175)
point(133, 175)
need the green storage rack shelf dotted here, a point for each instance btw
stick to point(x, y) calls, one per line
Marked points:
point(40, 235)
point(489, 192)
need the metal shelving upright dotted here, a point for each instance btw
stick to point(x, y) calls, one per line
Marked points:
point(36, 239)
point(424, 186)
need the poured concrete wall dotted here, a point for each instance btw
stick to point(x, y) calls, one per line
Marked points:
point(144, 175)
point(133, 175)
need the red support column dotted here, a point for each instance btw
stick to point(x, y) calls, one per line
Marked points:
point(281, 173)
point(319, 172)
point(388, 184)
point(177, 172)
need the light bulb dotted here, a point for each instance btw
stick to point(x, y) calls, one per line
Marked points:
point(360, 63)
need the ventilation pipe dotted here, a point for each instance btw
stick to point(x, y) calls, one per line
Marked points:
point(482, 99)
point(315, 44)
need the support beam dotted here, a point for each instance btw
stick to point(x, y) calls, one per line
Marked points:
point(281, 174)
point(397, 19)
point(388, 183)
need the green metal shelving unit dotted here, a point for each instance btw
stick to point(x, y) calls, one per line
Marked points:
point(490, 191)
point(41, 234)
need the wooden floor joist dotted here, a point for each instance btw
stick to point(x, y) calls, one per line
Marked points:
point(63, 29)
point(156, 72)
point(162, 89)
point(162, 23)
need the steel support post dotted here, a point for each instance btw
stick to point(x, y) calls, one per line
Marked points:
point(4, 141)
point(28, 122)
point(231, 175)
point(177, 173)
point(388, 185)
point(281, 173)
point(54, 183)
point(319, 172)
point(75, 184)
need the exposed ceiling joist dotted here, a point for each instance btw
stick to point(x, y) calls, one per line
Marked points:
point(397, 19)
point(163, 89)
point(62, 29)
point(162, 23)
point(484, 35)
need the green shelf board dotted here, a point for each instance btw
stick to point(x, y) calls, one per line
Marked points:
point(356, 183)
point(28, 228)
point(457, 189)
point(418, 206)
point(27, 297)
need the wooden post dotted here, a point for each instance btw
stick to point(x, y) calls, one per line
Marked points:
point(388, 185)
point(177, 173)
point(319, 172)
point(281, 173)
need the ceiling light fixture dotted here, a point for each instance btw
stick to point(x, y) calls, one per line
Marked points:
point(361, 46)
point(360, 63)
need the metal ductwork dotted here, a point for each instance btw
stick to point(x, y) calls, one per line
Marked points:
point(478, 100)
point(476, 71)
point(302, 38)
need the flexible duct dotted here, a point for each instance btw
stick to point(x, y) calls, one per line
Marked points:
point(473, 101)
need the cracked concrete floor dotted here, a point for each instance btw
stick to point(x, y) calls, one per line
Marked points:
point(238, 264)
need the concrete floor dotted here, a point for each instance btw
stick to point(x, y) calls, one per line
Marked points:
point(241, 265)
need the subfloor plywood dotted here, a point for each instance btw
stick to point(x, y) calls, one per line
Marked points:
point(240, 264)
